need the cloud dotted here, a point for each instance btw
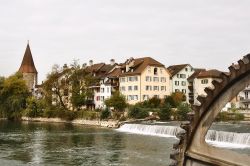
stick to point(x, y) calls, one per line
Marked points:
point(210, 34)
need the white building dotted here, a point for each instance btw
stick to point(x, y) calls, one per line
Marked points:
point(103, 89)
point(244, 99)
point(178, 79)
point(204, 79)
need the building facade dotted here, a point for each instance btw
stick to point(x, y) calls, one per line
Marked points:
point(142, 79)
point(243, 99)
point(203, 80)
point(179, 78)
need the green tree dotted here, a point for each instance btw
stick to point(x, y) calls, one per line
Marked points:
point(54, 86)
point(175, 99)
point(182, 111)
point(165, 112)
point(105, 114)
point(35, 107)
point(80, 81)
point(13, 95)
point(137, 112)
point(117, 101)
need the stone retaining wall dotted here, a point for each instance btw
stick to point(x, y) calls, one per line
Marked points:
point(109, 123)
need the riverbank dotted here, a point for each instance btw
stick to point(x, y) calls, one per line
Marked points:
point(100, 123)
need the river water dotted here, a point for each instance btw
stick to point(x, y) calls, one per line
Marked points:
point(23, 143)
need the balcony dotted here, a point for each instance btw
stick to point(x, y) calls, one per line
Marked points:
point(190, 87)
point(245, 100)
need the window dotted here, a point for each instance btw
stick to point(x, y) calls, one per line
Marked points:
point(102, 90)
point(148, 88)
point(204, 81)
point(122, 88)
point(156, 88)
point(246, 95)
point(176, 83)
point(135, 87)
point(134, 78)
point(130, 88)
point(132, 97)
point(102, 98)
point(156, 79)
point(186, 69)
point(122, 79)
point(107, 89)
point(65, 92)
point(183, 83)
point(155, 71)
point(182, 76)
point(156, 96)
point(163, 88)
point(145, 97)
point(97, 98)
point(163, 79)
point(149, 69)
point(148, 78)
point(161, 71)
point(183, 91)
point(177, 90)
point(178, 75)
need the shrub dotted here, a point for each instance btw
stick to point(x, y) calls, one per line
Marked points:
point(86, 114)
point(105, 114)
point(34, 108)
point(66, 114)
point(165, 112)
point(137, 112)
point(123, 118)
point(182, 111)
point(239, 116)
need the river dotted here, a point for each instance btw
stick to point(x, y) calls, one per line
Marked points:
point(34, 143)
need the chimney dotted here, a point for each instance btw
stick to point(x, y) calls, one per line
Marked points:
point(90, 62)
point(84, 65)
point(65, 66)
point(112, 62)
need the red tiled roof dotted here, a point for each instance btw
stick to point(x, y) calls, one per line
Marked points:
point(210, 74)
point(140, 64)
point(174, 69)
point(27, 65)
point(115, 73)
point(195, 74)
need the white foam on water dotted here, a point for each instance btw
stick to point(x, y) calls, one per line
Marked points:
point(228, 139)
point(154, 130)
point(213, 137)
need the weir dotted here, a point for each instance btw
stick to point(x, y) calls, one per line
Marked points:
point(213, 137)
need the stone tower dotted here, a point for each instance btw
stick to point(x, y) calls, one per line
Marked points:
point(28, 69)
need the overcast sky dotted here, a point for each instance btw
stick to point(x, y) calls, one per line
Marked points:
point(206, 34)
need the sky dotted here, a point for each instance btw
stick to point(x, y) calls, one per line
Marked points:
point(204, 33)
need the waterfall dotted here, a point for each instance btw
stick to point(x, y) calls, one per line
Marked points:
point(223, 139)
point(156, 130)
point(213, 137)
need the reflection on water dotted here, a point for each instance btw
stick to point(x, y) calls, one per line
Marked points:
point(65, 144)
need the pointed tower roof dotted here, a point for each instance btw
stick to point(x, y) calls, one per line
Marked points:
point(27, 65)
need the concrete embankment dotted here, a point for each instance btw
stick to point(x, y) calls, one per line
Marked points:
point(100, 123)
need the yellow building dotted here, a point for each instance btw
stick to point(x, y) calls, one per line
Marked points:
point(143, 78)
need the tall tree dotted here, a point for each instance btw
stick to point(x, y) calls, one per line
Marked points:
point(80, 81)
point(56, 86)
point(13, 95)
point(117, 101)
